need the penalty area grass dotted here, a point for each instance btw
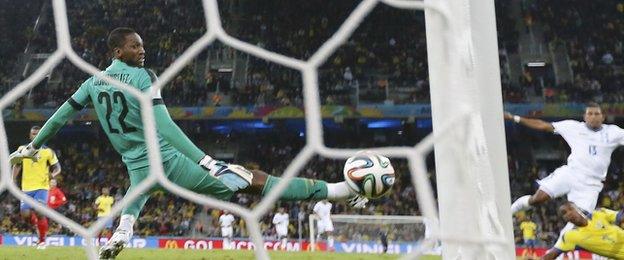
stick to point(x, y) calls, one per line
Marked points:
point(24, 252)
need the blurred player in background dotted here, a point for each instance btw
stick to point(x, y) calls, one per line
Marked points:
point(529, 232)
point(324, 224)
point(598, 232)
point(36, 174)
point(56, 197)
point(281, 220)
point(103, 205)
point(591, 143)
point(226, 221)
point(184, 163)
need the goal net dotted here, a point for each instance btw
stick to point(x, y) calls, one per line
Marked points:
point(373, 234)
point(472, 182)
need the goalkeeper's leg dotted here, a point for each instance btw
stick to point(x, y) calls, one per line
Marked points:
point(130, 213)
point(300, 188)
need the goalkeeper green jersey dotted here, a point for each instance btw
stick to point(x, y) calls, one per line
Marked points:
point(119, 112)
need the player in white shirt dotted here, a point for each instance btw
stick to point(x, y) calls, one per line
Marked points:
point(226, 220)
point(280, 220)
point(324, 224)
point(591, 143)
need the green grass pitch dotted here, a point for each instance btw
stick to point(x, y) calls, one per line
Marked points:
point(76, 253)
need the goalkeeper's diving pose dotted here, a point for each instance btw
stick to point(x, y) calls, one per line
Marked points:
point(184, 163)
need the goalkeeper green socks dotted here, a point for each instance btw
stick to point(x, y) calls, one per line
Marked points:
point(298, 189)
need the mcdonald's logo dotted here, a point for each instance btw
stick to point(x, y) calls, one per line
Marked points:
point(171, 244)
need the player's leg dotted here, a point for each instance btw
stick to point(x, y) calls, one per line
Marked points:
point(554, 185)
point(299, 188)
point(129, 214)
point(283, 238)
point(226, 234)
point(38, 222)
point(28, 214)
point(330, 240)
point(190, 175)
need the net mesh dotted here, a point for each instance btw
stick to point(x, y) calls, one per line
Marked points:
point(314, 141)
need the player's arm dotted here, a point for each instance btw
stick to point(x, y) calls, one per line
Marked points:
point(55, 170)
point(532, 123)
point(565, 244)
point(167, 128)
point(67, 111)
point(552, 254)
point(17, 169)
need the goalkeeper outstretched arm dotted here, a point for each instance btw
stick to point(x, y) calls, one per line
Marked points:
point(67, 111)
point(170, 131)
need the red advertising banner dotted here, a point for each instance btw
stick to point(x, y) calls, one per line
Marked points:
point(540, 251)
point(209, 244)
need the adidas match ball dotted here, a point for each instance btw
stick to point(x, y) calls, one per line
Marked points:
point(369, 174)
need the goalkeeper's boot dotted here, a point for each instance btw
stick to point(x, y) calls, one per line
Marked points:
point(357, 201)
point(234, 176)
point(115, 244)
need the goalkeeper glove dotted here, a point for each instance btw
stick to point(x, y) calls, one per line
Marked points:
point(235, 177)
point(23, 152)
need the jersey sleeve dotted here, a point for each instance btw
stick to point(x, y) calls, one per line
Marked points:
point(567, 242)
point(97, 201)
point(146, 81)
point(565, 127)
point(80, 98)
point(53, 159)
point(619, 134)
point(610, 215)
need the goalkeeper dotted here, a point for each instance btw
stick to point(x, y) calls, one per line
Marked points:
point(184, 164)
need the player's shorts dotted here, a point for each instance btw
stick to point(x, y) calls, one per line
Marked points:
point(325, 226)
point(281, 232)
point(529, 242)
point(183, 172)
point(108, 224)
point(581, 190)
point(40, 195)
point(227, 231)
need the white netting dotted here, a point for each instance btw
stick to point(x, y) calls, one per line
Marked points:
point(314, 144)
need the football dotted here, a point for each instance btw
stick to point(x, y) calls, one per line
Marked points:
point(369, 174)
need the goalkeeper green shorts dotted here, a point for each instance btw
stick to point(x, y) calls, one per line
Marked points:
point(183, 172)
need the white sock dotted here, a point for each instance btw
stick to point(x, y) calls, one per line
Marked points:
point(283, 245)
point(126, 222)
point(338, 191)
point(330, 241)
point(226, 243)
point(521, 203)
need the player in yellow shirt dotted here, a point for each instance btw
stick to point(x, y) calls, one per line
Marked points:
point(103, 205)
point(598, 232)
point(36, 176)
point(529, 230)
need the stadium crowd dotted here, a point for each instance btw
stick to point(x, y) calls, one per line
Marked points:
point(592, 32)
point(381, 53)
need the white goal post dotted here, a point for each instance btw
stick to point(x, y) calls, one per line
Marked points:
point(378, 220)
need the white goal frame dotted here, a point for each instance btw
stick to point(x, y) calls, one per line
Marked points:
point(461, 42)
